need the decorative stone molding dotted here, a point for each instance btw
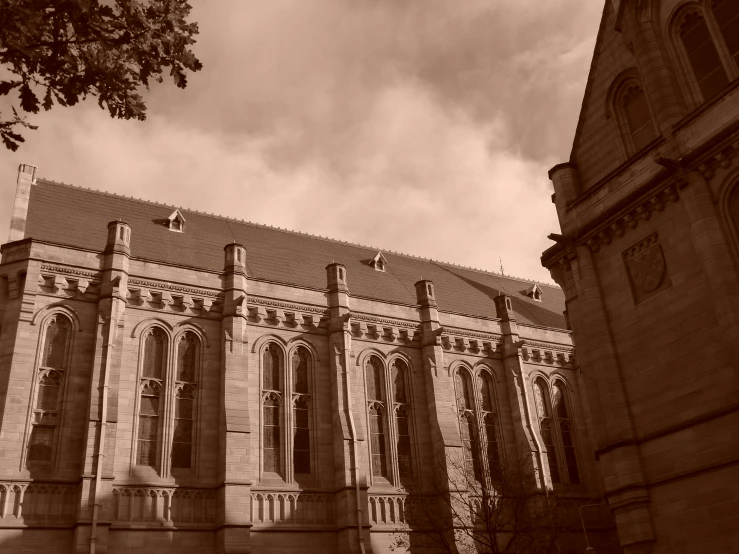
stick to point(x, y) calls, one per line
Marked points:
point(387, 509)
point(724, 158)
point(157, 285)
point(547, 353)
point(463, 340)
point(162, 506)
point(177, 299)
point(280, 508)
point(382, 329)
point(655, 202)
point(30, 503)
point(71, 271)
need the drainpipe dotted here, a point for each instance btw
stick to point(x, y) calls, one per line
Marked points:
point(355, 468)
point(100, 453)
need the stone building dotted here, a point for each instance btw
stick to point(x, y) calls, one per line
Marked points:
point(649, 205)
point(173, 381)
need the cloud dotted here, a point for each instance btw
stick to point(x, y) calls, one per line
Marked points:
point(422, 127)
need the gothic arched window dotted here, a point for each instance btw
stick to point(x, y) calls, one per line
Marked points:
point(376, 408)
point(272, 395)
point(469, 432)
point(152, 387)
point(546, 426)
point(301, 411)
point(489, 424)
point(183, 435)
point(566, 431)
point(399, 376)
point(638, 117)
point(727, 16)
point(702, 55)
point(49, 385)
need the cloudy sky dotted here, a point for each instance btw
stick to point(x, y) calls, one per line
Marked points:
point(419, 126)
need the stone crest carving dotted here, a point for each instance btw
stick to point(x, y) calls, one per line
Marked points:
point(647, 268)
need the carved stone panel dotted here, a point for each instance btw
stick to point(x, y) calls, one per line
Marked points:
point(647, 268)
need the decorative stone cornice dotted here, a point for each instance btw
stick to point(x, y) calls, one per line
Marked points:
point(284, 314)
point(629, 219)
point(159, 285)
point(723, 158)
point(286, 305)
point(71, 271)
point(470, 342)
point(382, 329)
point(548, 353)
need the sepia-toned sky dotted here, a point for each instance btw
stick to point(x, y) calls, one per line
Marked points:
point(419, 126)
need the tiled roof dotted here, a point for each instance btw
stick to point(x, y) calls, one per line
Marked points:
point(78, 217)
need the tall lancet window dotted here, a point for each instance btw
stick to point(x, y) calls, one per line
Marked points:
point(272, 397)
point(151, 390)
point(638, 117)
point(301, 411)
point(188, 356)
point(467, 424)
point(377, 416)
point(49, 384)
point(703, 56)
point(488, 418)
point(546, 426)
point(402, 406)
point(566, 432)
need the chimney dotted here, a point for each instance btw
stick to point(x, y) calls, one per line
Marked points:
point(26, 178)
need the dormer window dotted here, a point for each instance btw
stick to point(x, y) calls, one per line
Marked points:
point(534, 292)
point(176, 222)
point(378, 262)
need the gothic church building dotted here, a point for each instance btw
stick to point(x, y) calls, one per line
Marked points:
point(173, 381)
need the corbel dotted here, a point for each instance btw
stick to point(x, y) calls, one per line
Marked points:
point(315, 320)
point(59, 284)
point(548, 356)
point(165, 299)
point(187, 302)
point(536, 354)
point(82, 285)
point(205, 304)
point(258, 313)
point(408, 334)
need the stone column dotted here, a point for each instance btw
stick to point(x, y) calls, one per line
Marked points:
point(531, 452)
point(237, 448)
point(350, 459)
point(96, 499)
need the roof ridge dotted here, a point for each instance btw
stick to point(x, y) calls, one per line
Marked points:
point(290, 231)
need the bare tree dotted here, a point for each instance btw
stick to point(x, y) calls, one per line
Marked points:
point(487, 509)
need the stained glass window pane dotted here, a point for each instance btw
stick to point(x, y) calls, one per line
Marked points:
point(271, 368)
point(154, 354)
point(703, 56)
point(55, 343)
point(399, 376)
point(405, 460)
point(301, 438)
point(486, 392)
point(271, 436)
point(40, 444)
point(462, 389)
point(377, 442)
point(48, 392)
point(374, 379)
point(492, 447)
point(147, 441)
point(149, 405)
point(300, 371)
point(187, 355)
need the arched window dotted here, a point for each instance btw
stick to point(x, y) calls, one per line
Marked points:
point(546, 426)
point(566, 432)
point(148, 432)
point(727, 16)
point(272, 394)
point(467, 425)
point(638, 116)
point(188, 356)
point(272, 433)
point(301, 411)
point(702, 54)
point(376, 408)
point(489, 424)
point(183, 427)
point(151, 391)
point(49, 385)
point(399, 376)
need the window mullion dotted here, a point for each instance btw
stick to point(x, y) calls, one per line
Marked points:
point(391, 436)
point(169, 389)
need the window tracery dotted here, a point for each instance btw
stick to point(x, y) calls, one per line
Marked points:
point(557, 431)
point(167, 404)
point(272, 394)
point(389, 414)
point(50, 375)
point(726, 13)
point(702, 55)
point(478, 425)
point(301, 411)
